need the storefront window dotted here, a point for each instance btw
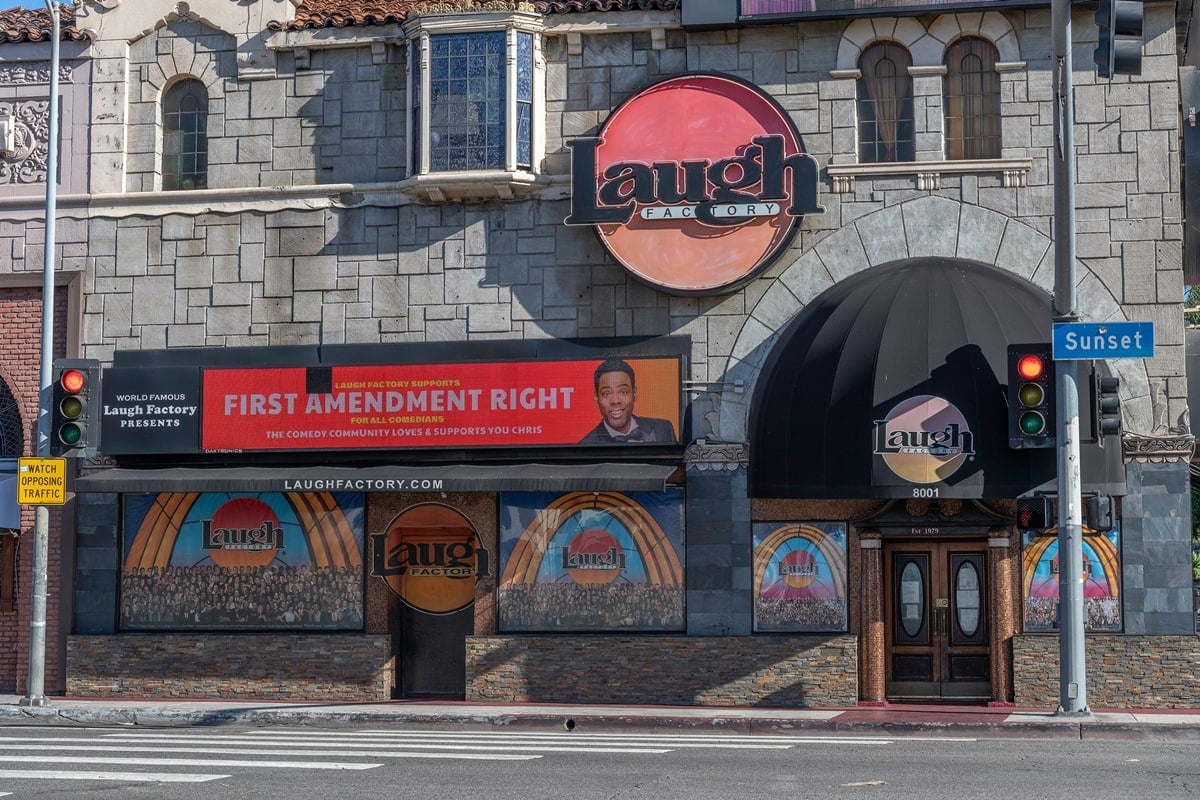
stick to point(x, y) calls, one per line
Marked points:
point(591, 561)
point(217, 561)
point(800, 577)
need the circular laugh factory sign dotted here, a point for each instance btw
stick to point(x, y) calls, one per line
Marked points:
point(695, 184)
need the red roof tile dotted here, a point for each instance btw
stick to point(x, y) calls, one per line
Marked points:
point(352, 13)
point(33, 25)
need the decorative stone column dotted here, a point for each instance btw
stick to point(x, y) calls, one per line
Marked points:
point(1156, 539)
point(1002, 597)
point(872, 638)
point(719, 558)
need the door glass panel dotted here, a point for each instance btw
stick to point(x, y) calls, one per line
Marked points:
point(912, 599)
point(966, 597)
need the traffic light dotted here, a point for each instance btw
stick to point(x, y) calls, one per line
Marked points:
point(1099, 513)
point(1120, 49)
point(1107, 399)
point(1030, 396)
point(75, 407)
point(1035, 513)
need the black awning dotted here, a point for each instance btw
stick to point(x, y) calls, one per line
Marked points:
point(930, 327)
point(618, 477)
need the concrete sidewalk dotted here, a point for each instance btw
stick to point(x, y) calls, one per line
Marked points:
point(891, 720)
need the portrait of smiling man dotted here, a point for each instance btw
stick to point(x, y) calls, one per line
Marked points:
point(616, 393)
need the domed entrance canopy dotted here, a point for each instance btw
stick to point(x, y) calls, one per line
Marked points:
point(892, 384)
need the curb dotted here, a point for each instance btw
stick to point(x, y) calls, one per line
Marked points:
point(591, 720)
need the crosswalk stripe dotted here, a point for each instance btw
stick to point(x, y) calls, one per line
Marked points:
point(705, 738)
point(563, 740)
point(190, 762)
point(794, 739)
point(124, 777)
point(375, 753)
point(380, 750)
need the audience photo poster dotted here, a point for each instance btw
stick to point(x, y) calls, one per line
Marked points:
point(591, 561)
point(800, 577)
point(1101, 581)
point(242, 561)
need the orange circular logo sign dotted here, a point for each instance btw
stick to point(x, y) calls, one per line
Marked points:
point(924, 439)
point(695, 184)
point(431, 557)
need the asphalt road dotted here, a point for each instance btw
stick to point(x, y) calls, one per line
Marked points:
point(454, 763)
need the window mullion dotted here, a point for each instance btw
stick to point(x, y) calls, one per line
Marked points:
point(426, 102)
point(510, 100)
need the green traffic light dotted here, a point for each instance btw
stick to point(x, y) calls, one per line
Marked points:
point(70, 434)
point(1032, 423)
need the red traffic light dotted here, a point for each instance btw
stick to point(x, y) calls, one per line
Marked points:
point(1031, 367)
point(73, 381)
point(1034, 513)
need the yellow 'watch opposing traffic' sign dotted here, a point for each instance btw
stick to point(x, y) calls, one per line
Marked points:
point(41, 481)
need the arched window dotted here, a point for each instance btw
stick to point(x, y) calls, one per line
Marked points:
point(972, 100)
point(185, 136)
point(885, 105)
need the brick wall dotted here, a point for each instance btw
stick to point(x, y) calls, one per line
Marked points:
point(351, 667)
point(1122, 671)
point(20, 323)
point(684, 670)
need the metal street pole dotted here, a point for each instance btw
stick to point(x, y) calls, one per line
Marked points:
point(1071, 662)
point(35, 692)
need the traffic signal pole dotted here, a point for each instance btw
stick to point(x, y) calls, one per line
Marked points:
point(1072, 666)
point(35, 682)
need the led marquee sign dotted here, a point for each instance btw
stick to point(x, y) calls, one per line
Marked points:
point(546, 403)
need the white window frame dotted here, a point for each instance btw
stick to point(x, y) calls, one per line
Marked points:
point(510, 182)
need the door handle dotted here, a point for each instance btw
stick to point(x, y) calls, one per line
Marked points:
point(941, 620)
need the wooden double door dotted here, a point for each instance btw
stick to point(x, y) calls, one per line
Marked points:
point(936, 616)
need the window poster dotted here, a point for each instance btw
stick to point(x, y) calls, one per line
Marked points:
point(242, 561)
point(1101, 581)
point(591, 561)
point(800, 577)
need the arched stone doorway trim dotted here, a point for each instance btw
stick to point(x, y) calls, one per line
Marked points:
point(923, 227)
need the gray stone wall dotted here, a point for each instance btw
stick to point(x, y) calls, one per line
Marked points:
point(719, 547)
point(300, 265)
point(97, 564)
point(1156, 549)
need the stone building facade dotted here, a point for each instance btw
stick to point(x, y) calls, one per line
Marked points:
point(325, 231)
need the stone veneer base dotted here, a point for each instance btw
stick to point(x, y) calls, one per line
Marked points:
point(294, 666)
point(761, 670)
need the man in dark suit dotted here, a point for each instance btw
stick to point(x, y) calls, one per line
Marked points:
point(616, 393)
